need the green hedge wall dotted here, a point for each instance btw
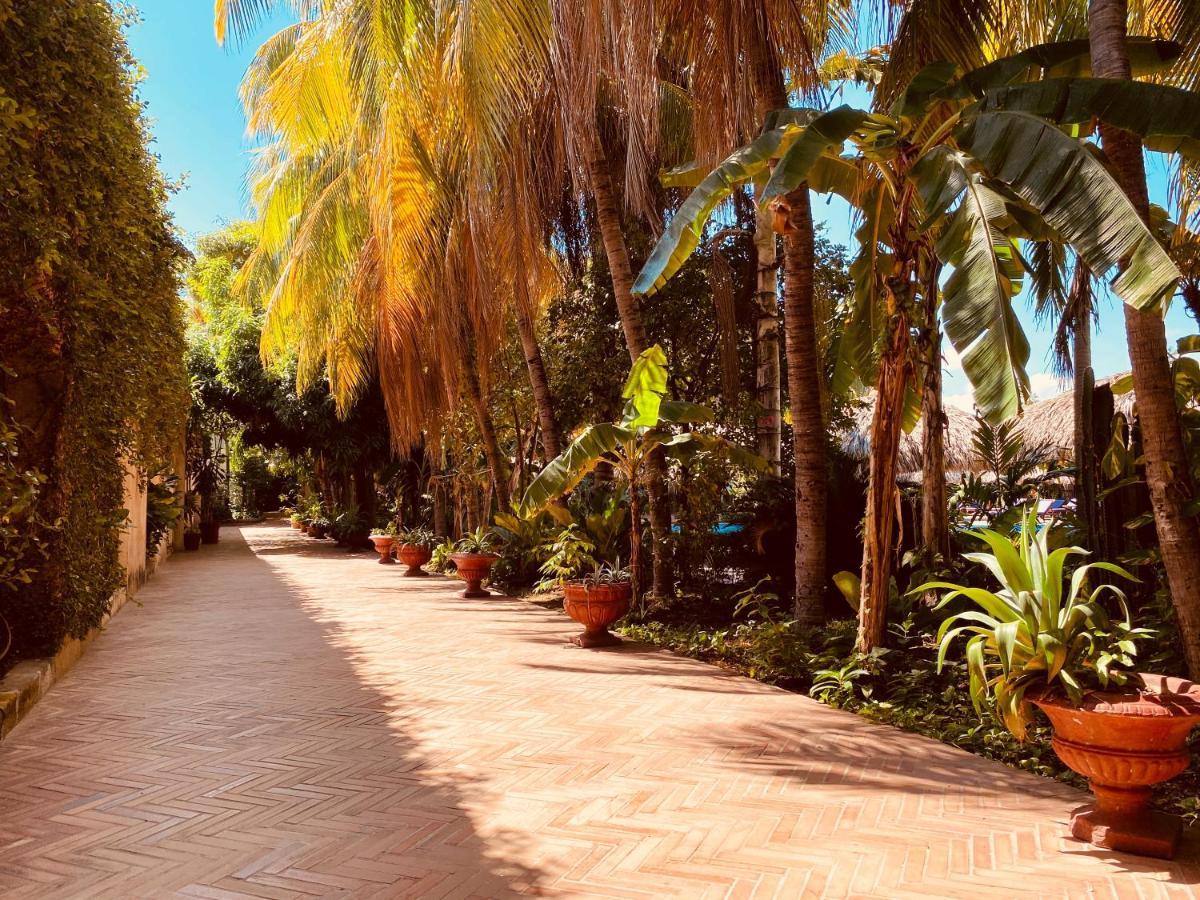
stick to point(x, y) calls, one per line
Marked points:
point(91, 329)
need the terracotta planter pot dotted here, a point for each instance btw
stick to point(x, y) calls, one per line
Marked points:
point(473, 568)
point(297, 524)
point(383, 546)
point(191, 540)
point(357, 540)
point(319, 531)
point(596, 607)
point(210, 532)
point(1124, 742)
point(414, 556)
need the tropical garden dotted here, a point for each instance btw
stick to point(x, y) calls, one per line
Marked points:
point(534, 292)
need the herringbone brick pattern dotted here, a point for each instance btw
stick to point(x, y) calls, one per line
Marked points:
point(285, 720)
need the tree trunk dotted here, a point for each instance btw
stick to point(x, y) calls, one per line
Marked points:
point(609, 216)
point(935, 531)
point(543, 400)
point(487, 434)
point(766, 341)
point(808, 424)
point(1083, 390)
point(1167, 470)
point(882, 497)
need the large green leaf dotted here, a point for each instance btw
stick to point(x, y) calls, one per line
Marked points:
point(680, 412)
point(1068, 184)
point(1061, 58)
point(926, 84)
point(644, 388)
point(825, 135)
point(566, 469)
point(977, 302)
point(683, 234)
point(685, 446)
point(1167, 119)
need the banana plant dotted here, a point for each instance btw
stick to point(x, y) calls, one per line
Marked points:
point(960, 171)
point(646, 424)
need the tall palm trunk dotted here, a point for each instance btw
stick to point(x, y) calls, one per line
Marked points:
point(935, 531)
point(1083, 393)
point(497, 467)
point(808, 422)
point(543, 400)
point(609, 216)
point(1167, 468)
point(766, 341)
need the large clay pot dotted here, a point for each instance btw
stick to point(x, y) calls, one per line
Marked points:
point(1124, 742)
point(210, 532)
point(297, 523)
point(595, 607)
point(414, 556)
point(358, 540)
point(319, 531)
point(383, 546)
point(191, 540)
point(473, 568)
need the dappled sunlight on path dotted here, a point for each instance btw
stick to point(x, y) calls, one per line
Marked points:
point(282, 718)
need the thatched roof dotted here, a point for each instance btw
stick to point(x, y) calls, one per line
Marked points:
point(1052, 421)
point(856, 441)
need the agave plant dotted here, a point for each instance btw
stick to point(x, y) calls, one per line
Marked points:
point(627, 445)
point(1042, 628)
point(481, 540)
point(420, 537)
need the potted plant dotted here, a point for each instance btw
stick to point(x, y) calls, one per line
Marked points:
point(1044, 639)
point(207, 478)
point(320, 524)
point(297, 520)
point(415, 548)
point(596, 599)
point(385, 541)
point(191, 521)
point(473, 558)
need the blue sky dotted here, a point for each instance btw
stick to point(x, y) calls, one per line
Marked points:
point(191, 87)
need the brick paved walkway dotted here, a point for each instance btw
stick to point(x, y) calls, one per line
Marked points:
point(286, 720)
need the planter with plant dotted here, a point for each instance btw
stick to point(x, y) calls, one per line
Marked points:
point(1045, 638)
point(385, 541)
point(473, 557)
point(595, 594)
point(207, 476)
point(415, 549)
point(191, 521)
point(297, 520)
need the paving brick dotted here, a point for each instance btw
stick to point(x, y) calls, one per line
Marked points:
point(279, 718)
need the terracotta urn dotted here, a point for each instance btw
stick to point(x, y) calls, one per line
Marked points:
point(191, 540)
point(210, 532)
point(383, 546)
point(297, 523)
point(319, 531)
point(1124, 742)
point(416, 555)
point(595, 607)
point(473, 568)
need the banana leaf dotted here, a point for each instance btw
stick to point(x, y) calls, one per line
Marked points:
point(1167, 119)
point(824, 136)
point(977, 303)
point(644, 388)
point(568, 468)
point(1064, 180)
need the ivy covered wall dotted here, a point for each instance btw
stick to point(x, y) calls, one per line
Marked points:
point(91, 342)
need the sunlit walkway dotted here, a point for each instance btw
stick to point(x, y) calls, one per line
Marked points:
point(283, 719)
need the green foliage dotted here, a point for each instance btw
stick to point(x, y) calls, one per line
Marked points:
point(481, 540)
point(22, 532)
point(571, 556)
point(164, 506)
point(90, 324)
point(441, 561)
point(420, 537)
point(1032, 632)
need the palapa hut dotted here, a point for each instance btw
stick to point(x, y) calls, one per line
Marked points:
point(855, 442)
point(1052, 421)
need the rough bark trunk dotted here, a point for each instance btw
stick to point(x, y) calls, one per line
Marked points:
point(935, 530)
point(487, 434)
point(879, 525)
point(609, 216)
point(808, 425)
point(543, 400)
point(1083, 390)
point(766, 342)
point(1167, 469)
